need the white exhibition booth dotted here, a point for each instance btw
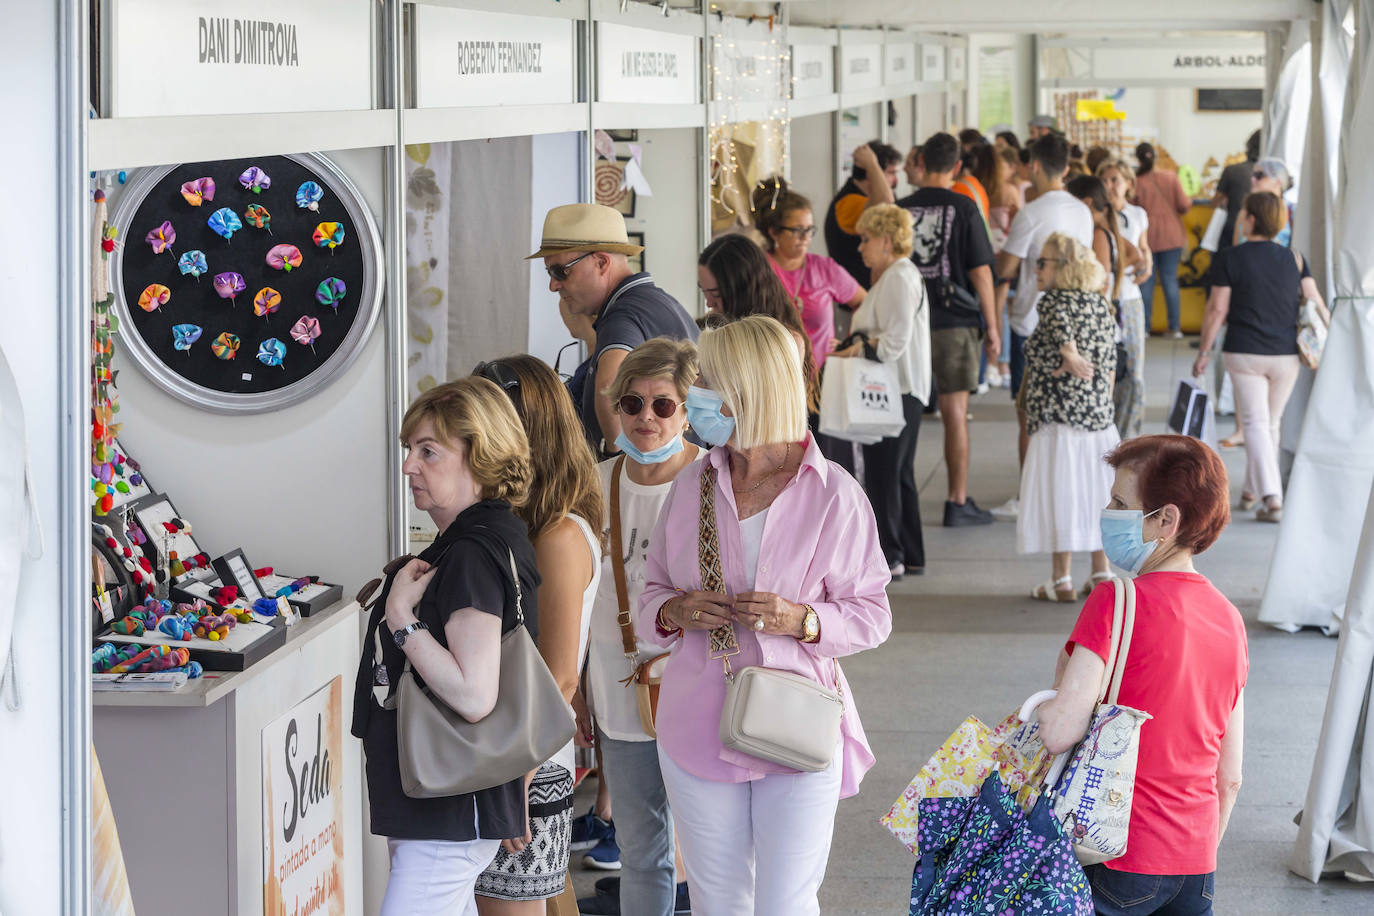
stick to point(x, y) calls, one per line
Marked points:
point(459, 123)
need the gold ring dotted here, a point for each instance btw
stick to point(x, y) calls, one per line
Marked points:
point(696, 615)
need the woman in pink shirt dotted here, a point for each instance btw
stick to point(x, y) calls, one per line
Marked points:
point(805, 583)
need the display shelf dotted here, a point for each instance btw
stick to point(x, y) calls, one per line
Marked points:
point(211, 687)
point(126, 143)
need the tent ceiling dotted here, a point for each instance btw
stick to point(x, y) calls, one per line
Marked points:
point(1036, 16)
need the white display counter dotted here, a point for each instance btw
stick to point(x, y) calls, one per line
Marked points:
point(187, 772)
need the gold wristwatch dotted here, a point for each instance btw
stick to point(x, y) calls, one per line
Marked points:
point(811, 625)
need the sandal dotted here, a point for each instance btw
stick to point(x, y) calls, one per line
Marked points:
point(1093, 582)
point(1054, 590)
point(1235, 440)
point(1247, 502)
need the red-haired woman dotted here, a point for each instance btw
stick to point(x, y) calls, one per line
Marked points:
point(1187, 668)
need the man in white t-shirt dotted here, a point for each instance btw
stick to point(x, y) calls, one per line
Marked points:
point(1053, 210)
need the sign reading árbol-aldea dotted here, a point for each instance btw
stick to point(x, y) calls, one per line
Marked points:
point(210, 57)
point(302, 808)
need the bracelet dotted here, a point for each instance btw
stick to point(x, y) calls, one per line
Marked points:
point(664, 626)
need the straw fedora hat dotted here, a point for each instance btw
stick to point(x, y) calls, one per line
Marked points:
point(584, 227)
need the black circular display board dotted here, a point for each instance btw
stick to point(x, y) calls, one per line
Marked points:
point(244, 383)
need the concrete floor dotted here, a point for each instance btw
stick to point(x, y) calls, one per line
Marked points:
point(966, 640)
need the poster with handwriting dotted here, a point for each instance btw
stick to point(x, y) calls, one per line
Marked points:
point(302, 807)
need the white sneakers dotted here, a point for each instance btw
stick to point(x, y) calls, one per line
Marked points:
point(1008, 511)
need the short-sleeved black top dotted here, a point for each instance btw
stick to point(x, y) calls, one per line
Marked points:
point(1265, 284)
point(1235, 184)
point(473, 560)
point(635, 312)
point(950, 242)
point(840, 243)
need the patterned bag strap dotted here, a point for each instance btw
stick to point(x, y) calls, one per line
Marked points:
point(723, 642)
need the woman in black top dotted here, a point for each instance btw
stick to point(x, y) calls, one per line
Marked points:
point(1067, 400)
point(1257, 290)
point(445, 613)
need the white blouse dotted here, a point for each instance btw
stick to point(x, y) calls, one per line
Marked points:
point(896, 317)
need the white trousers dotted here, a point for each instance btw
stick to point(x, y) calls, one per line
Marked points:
point(754, 847)
point(435, 877)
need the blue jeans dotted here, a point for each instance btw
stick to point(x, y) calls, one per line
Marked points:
point(1124, 893)
point(1166, 269)
point(643, 826)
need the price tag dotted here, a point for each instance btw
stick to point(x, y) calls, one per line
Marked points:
point(105, 607)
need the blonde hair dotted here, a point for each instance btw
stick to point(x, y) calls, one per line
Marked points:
point(661, 357)
point(563, 479)
point(1079, 267)
point(478, 414)
point(891, 222)
point(1119, 166)
point(754, 366)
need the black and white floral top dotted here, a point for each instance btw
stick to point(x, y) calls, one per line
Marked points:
point(1086, 318)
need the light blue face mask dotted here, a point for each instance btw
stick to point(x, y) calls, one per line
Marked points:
point(1123, 538)
point(657, 456)
point(703, 412)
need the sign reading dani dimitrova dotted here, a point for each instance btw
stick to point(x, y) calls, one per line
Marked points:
point(209, 57)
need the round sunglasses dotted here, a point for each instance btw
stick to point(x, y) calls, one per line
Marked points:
point(631, 405)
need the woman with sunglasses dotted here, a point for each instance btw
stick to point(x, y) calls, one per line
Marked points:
point(648, 392)
point(1067, 399)
point(814, 283)
point(444, 614)
point(1270, 175)
point(563, 514)
point(795, 579)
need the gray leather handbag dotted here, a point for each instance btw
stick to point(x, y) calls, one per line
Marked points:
point(442, 753)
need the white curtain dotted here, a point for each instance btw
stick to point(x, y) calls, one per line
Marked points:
point(1334, 463)
point(1337, 827)
point(1290, 100)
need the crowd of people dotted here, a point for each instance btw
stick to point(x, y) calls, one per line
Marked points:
point(671, 519)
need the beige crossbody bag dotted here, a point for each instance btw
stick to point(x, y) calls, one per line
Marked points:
point(778, 716)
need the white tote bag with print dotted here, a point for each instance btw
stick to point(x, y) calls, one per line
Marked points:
point(860, 400)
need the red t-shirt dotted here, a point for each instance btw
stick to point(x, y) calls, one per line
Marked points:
point(1187, 664)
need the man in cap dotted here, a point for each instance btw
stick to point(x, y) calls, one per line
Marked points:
point(585, 251)
point(1040, 125)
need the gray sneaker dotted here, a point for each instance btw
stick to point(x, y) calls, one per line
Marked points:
point(966, 514)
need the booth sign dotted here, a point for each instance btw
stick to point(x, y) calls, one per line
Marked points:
point(1187, 66)
point(957, 69)
point(933, 63)
point(861, 67)
point(302, 807)
point(900, 65)
point(470, 58)
point(745, 71)
point(642, 65)
point(813, 71)
point(207, 57)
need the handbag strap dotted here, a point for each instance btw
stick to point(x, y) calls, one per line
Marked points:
point(628, 641)
point(723, 641)
point(1123, 625)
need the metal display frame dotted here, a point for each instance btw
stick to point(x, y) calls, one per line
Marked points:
point(370, 299)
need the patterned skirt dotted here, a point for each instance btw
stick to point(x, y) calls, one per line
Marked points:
point(539, 871)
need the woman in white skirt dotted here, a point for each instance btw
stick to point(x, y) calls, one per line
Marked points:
point(1067, 399)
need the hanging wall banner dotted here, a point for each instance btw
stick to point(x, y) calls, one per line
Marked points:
point(861, 67)
point(813, 71)
point(899, 65)
point(642, 65)
point(471, 58)
point(205, 57)
point(1189, 66)
point(302, 807)
point(933, 63)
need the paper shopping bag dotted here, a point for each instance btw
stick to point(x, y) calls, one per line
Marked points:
point(860, 400)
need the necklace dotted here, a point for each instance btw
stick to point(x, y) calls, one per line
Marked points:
point(769, 476)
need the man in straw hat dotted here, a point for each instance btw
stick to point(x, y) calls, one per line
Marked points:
point(585, 250)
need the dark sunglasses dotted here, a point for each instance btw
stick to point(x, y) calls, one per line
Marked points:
point(631, 405)
point(364, 597)
point(499, 373)
point(1258, 175)
point(559, 272)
